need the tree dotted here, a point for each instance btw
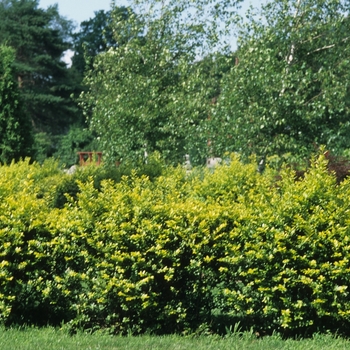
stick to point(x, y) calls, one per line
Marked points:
point(290, 91)
point(15, 128)
point(95, 36)
point(148, 93)
point(40, 37)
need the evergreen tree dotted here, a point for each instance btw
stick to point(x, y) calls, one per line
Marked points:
point(40, 37)
point(15, 128)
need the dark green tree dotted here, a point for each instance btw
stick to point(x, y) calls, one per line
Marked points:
point(15, 128)
point(95, 36)
point(40, 37)
point(289, 94)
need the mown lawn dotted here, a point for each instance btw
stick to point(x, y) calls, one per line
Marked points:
point(51, 339)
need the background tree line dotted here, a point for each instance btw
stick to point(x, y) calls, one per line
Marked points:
point(162, 76)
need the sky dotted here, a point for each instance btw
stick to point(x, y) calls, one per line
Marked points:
point(82, 10)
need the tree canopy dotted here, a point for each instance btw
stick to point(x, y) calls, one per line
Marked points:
point(150, 93)
point(161, 76)
point(290, 91)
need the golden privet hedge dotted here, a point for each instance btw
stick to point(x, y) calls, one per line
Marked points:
point(177, 252)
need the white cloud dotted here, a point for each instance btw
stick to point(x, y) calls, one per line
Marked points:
point(67, 57)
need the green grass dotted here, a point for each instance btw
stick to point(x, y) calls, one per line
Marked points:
point(51, 339)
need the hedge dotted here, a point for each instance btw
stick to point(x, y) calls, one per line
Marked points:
point(176, 252)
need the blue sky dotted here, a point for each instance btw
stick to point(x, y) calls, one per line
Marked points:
point(81, 10)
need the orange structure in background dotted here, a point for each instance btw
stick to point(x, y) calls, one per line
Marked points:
point(87, 158)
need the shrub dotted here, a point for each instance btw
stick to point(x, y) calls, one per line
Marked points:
point(176, 252)
point(153, 168)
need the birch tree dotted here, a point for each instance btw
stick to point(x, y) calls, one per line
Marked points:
point(289, 94)
point(149, 93)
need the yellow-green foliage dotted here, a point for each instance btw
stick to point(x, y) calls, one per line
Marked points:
point(178, 251)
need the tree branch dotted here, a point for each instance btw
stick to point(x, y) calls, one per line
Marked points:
point(326, 47)
point(314, 38)
point(320, 49)
point(313, 98)
point(290, 57)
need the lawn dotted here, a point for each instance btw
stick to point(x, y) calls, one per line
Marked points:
point(51, 339)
